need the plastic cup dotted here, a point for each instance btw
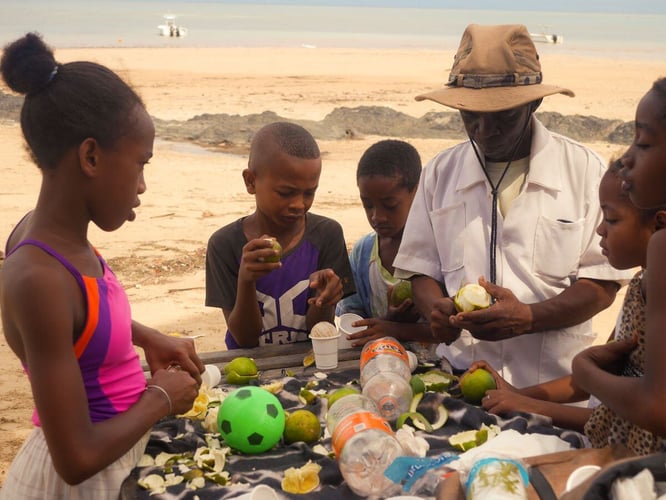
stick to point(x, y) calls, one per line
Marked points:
point(344, 327)
point(325, 351)
point(581, 474)
point(260, 492)
point(211, 376)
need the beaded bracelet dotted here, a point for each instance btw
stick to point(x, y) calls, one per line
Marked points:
point(166, 395)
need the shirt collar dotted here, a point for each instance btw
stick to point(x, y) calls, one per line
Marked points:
point(544, 155)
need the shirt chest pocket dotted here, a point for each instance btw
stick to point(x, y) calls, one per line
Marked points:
point(557, 247)
point(449, 227)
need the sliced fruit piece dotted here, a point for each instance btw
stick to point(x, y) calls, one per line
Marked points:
point(465, 440)
point(415, 401)
point(234, 378)
point(307, 397)
point(301, 480)
point(199, 407)
point(419, 421)
point(442, 417)
point(242, 365)
point(417, 384)
point(241, 371)
point(437, 380)
point(309, 359)
point(273, 387)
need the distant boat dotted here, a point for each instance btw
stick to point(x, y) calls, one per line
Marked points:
point(170, 28)
point(547, 38)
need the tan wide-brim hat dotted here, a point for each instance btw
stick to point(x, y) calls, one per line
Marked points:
point(495, 68)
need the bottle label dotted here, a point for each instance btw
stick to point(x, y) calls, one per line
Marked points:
point(383, 346)
point(355, 423)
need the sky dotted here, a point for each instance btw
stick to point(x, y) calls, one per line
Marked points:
point(608, 6)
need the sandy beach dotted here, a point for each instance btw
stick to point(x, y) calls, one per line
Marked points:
point(192, 191)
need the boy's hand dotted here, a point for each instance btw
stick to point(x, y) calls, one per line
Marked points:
point(405, 312)
point(327, 286)
point(253, 263)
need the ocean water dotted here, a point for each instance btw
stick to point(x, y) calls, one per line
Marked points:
point(129, 23)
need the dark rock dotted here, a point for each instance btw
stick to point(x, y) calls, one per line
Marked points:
point(10, 106)
point(234, 132)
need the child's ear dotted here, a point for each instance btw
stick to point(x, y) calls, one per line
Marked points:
point(660, 220)
point(249, 178)
point(89, 156)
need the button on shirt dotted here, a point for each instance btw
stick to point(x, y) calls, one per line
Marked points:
point(545, 242)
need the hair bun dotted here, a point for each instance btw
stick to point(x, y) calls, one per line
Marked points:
point(28, 64)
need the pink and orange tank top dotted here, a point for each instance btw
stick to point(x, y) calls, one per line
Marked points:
point(110, 366)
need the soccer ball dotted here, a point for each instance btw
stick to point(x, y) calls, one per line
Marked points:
point(251, 420)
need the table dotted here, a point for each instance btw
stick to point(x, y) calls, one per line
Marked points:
point(284, 363)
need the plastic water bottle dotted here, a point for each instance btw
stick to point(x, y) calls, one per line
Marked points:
point(364, 445)
point(384, 355)
point(390, 392)
point(385, 374)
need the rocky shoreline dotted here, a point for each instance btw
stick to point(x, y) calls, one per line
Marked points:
point(233, 132)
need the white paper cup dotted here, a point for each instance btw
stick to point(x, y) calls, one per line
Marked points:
point(325, 351)
point(212, 376)
point(344, 327)
point(579, 475)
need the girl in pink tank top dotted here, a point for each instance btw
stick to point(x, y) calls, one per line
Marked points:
point(64, 313)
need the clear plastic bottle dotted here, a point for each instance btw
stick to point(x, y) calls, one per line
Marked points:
point(385, 374)
point(390, 392)
point(364, 445)
point(384, 355)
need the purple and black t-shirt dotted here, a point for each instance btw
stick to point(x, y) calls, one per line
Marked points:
point(283, 293)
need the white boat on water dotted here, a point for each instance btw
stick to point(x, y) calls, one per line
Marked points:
point(170, 28)
point(547, 38)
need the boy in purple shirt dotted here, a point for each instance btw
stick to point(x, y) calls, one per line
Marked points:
point(266, 302)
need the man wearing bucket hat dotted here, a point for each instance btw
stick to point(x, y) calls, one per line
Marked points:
point(516, 205)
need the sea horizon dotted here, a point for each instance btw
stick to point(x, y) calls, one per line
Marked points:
point(105, 23)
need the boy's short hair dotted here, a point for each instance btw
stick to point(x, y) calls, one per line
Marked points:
point(391, 158)
point(289, 138)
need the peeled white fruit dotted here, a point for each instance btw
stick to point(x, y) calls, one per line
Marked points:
point(471, 297)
